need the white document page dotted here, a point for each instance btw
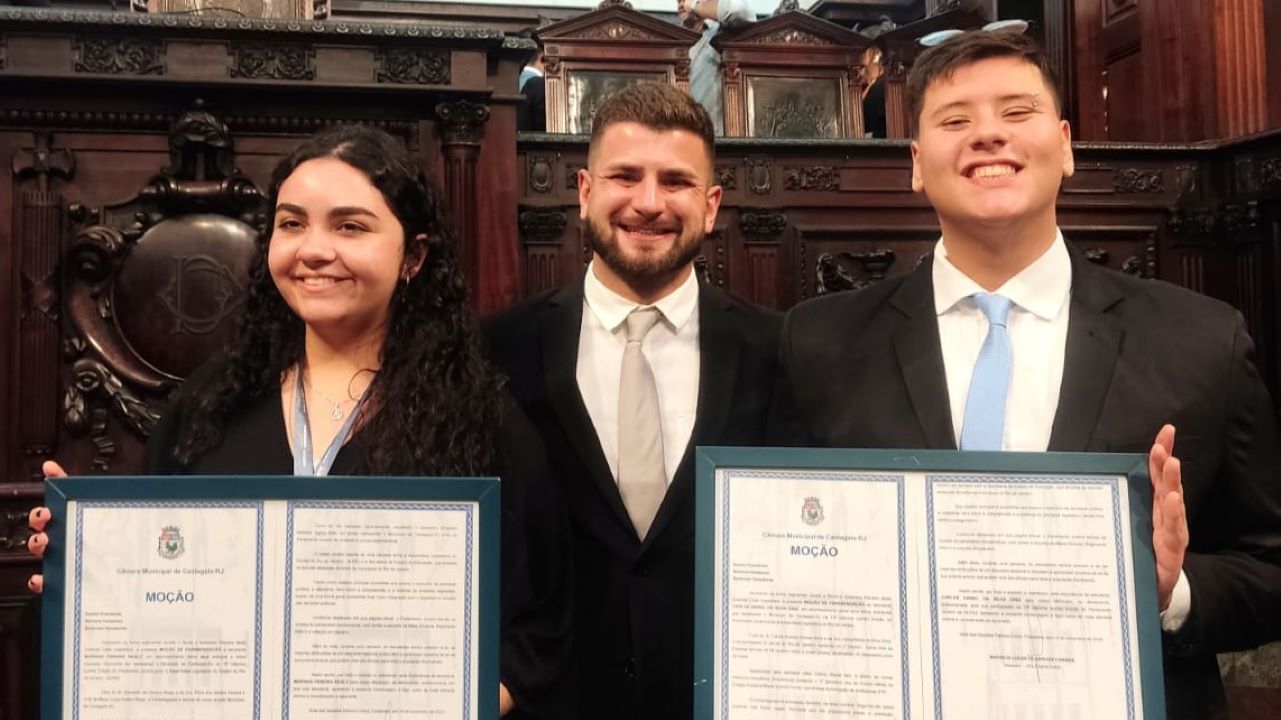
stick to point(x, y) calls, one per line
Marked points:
point(204, 610)
point(162, 622)
point(812, 621)
point(945, 596)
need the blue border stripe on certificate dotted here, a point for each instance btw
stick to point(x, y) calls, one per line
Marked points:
point(60, 560)
point(180, 505)
point(802, 475)
point(1118, 547)
point(468, 508)
point(714, 462)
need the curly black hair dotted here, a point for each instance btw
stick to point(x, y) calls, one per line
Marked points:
point(435, 396)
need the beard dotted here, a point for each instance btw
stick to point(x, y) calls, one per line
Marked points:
point(643, 268)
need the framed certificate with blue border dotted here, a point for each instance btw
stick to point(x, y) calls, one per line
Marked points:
point(271, 597)
point(937, 585)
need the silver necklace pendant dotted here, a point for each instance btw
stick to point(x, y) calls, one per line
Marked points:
point(335, 411)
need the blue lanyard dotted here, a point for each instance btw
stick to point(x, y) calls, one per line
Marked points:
point(304, 461)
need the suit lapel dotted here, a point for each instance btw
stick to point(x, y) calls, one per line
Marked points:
point(560, 333)
point(1089, 362)
point(718, 345)
point(920, 358)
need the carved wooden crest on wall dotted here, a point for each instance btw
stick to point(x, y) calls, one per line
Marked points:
point(153, 285)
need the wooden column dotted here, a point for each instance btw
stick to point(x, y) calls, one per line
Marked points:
point(39, 219)
point(462, 126)
point(1240, 67)
point(735, 100)
point(1272, 70)
point(898, 123)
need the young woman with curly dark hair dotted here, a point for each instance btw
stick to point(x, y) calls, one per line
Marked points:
point(356, 354)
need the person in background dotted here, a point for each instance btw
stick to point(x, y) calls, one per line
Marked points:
point(710, 17)
point(531, 115)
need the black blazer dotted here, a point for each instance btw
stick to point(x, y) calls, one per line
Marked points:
point(633, 601)
point(866, 370)
point(531, 113)
point(535, 595)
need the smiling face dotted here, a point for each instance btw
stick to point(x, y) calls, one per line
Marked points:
point(992, 149)
point(647, 200)
point(336, 250)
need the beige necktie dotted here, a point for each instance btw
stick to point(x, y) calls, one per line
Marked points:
point(642, 479)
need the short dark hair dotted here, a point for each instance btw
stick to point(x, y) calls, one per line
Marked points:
point(944, 59)
point(657, 106)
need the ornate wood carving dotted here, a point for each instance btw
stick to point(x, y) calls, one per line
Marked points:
point(540, 173)
point(413, 66)
point(837, 272)
point(542, 226)
point(790, 36)
point(1241, 218)
point(704, 268)
point(14, 530)
point(29, 18)
point(134, 121)
point(760, 175)
point(1144, 266)
point(710, 264)
point(1133, 181)
point(461, 125)
point(40, 214)
point(1192, 226)
point(277, 62)
point(571, 175)
point(727, 177)
point(462, 122)
point(119, 55)
point(154, 283)
point(896, 65)
point(813, 178)
point(762, 226)
point(1244, 176)
point(617, 30)
point(681, 70)
point(1270, 171)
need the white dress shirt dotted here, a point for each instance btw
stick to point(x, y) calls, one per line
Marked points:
point(1037, 326)
point(671, 348)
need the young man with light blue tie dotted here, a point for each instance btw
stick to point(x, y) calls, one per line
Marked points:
point(1007, 339)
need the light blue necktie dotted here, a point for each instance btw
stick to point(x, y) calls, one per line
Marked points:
point(984, 423)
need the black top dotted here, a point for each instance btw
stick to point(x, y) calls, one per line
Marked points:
point(536, 609)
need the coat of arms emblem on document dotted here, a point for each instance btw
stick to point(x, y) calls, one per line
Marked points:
point(170, 544)
point(812, 511)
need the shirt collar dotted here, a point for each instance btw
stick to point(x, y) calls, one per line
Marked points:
point(611, 309)
point(1040, 288)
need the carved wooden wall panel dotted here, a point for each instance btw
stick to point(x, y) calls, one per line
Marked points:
point(809, 217)
point(1174, 72)
point(123, 244)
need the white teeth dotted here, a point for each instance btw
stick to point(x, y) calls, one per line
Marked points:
point(318, 281)
point(992, 171)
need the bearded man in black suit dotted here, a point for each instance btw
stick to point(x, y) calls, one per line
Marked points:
point(625, 371)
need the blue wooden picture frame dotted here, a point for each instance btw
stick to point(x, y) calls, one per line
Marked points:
point(251, 489)
point(710, 460)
